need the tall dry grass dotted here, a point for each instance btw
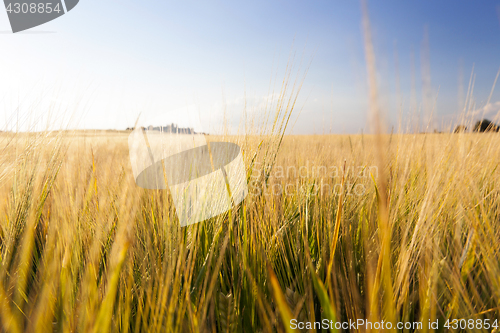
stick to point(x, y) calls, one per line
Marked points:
point(84, 249)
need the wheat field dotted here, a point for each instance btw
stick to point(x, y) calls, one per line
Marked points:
point(83, 249)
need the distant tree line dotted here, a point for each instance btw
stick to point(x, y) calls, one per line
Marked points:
point(480, 126)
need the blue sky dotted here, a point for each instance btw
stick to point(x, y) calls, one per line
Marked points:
point(106, 62)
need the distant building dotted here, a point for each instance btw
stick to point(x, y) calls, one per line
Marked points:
point(172, 129)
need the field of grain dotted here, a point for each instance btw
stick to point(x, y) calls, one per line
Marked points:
point(326, 232)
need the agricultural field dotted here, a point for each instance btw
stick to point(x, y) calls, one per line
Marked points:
point(400, 228)
point(250, 167)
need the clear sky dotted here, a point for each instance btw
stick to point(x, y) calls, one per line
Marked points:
point(106, 62)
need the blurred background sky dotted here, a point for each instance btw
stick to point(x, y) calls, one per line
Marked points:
point(106, 62)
